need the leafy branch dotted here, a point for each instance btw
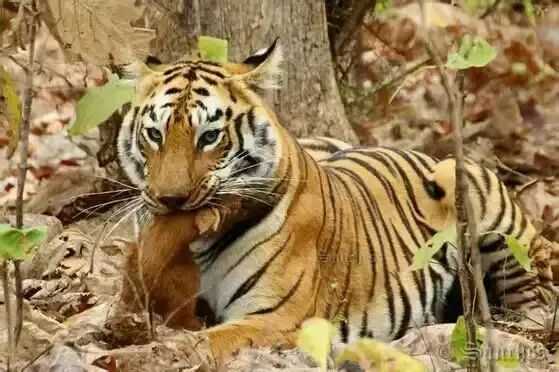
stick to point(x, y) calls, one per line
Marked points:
point(16, 243)
point(473, 52)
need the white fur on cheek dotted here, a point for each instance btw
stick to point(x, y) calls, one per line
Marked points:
point(128, 153)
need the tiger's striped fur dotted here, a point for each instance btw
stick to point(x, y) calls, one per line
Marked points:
point(330, 231)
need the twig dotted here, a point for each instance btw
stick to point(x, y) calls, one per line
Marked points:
point(22, 168)
point(37, 357)
point(97, 244)
point(8, 307)
point(467, 234)
point(353, 22)
point(554, 318)
point(402, 74)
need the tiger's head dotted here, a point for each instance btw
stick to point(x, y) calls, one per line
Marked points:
point(197, 132)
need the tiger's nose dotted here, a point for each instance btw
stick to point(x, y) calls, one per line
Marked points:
point(172, 202)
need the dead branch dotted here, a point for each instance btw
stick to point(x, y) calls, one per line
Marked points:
point(22, 168)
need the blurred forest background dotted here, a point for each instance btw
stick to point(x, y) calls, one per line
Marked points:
point(356, 70)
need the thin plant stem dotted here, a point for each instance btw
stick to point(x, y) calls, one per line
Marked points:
point(22, 167)
point(8, 307)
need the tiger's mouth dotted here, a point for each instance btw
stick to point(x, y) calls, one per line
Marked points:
point(199, 197)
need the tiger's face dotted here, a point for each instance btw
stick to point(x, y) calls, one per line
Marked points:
point(197, 134)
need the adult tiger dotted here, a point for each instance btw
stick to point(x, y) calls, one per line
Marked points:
point(330, 236)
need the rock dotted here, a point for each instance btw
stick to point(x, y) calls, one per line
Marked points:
point(435, 341)
point(62, 358)
point(266, 359)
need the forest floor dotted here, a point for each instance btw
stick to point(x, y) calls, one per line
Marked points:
point(512, 115)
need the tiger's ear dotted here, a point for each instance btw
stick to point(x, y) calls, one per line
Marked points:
point(261, 70)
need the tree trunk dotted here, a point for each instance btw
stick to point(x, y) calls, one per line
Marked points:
point(309, 103)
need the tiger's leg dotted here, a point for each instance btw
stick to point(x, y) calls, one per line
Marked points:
point(253, 331)
point(497, 216)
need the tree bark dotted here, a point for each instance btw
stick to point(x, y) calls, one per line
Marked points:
point(309, 103)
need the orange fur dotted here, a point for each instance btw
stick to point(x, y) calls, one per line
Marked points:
point(170, 276)
point(164, 261)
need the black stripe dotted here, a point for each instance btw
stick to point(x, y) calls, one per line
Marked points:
point(286, 298)
point(270, 237)
point(510, 228)
point(251, 118)
point(168, 104)
point(172, 91)
point(391, 193)
point(362, 188)
point(145, 109)
point(528, 282)
point(210, 71)
point(206, 258)
point(381, 159)
point(190, 75)
point(228, 113)
point(436, 281)
point(523, 223)
point(482, 196)
point(406, 156)
point(231, 95)
point(405, 323)
point(134, 115)
point(510, 273)
point(201, 105)
point(172, 70)
point(486, 178)
point(152, 114)
point(502, 206)
point(418, 279)
point(407, 185)
point(254, 278)
point(216, 116)
point(201, 91)
point(170, 78)
point(421, 158)
point(209, 63)
point(209, 80)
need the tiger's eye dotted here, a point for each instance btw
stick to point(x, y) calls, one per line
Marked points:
point(154, 135)
point(208, 138)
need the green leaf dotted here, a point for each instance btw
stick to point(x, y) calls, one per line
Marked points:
point(13, 108)
point(16, 244)
point(459, 341)
point(473, 52)
point(472, 6)
point(374, 355)
point(425, 253)
point(508, 362)
point(382, 6)
point(315, 338)
point(213, 49)
point(32, 237)
point(530, 11)
point(99, 103)
point(519, 251)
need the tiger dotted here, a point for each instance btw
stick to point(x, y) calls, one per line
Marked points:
point(329, 229)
